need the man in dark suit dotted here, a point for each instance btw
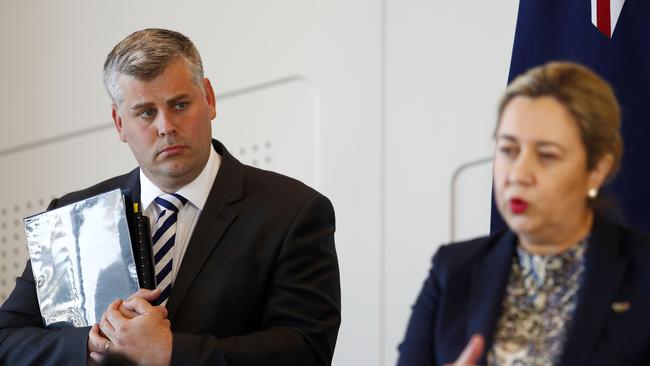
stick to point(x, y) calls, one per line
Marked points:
point(251, 276)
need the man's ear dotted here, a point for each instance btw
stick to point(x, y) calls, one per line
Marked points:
point(117, 119)
point(210, 98)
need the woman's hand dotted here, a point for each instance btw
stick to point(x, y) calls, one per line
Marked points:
point(472, 352)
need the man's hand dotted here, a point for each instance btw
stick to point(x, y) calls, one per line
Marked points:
point(148, 295)
point(98, 343)
point(472, 352)
point(145, 338)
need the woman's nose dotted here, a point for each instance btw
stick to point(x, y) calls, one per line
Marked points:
point(522, 170)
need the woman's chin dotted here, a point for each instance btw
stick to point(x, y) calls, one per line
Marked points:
point(522, 225)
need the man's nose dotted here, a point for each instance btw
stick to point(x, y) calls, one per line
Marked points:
point(166, 124)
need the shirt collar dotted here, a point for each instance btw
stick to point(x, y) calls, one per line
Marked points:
point(196, 191)
point(540, 266)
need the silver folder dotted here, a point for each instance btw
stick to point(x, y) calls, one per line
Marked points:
point(82, 259)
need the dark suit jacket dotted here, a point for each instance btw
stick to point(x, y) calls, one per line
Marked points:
point(259, 283)
point(464, 292)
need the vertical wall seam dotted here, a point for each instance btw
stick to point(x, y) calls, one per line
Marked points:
point(382, 181)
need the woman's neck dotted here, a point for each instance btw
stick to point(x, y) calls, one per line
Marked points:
point(560, 240)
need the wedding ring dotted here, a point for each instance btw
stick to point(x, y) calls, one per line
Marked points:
point(107, 346)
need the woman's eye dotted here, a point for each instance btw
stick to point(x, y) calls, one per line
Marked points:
point(508, 150)
point(548, 156)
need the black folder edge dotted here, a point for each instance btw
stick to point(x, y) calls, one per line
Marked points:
point(140, 241)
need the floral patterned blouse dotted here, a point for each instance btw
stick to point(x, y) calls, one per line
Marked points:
point(539, 303)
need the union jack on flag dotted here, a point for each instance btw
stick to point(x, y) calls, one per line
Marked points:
point(604, 15)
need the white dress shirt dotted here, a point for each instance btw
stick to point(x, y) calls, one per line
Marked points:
point(196, 193)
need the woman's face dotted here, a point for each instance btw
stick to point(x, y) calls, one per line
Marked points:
point(540, 171)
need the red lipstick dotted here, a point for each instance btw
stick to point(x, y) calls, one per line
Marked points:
point(518, 206)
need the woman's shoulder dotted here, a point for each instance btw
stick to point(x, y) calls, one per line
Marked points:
point(634, 243)
point(630, 240)
point(462, 253)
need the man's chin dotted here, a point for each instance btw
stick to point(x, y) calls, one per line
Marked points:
point(174, 171)
point(167, 171)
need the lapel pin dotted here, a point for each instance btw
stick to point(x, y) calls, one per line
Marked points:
point(621, 306)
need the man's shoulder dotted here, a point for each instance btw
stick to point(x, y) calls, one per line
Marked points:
point(273, 181)
point(259, 183)
point(275, 188)
point(99, 188)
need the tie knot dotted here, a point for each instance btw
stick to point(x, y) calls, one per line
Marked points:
point(171, 201)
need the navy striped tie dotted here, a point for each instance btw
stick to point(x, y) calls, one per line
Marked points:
point(163, 242)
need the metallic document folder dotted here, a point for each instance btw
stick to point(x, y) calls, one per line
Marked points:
point(82, 259)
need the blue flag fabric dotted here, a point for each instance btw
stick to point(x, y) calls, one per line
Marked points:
point(562, 30)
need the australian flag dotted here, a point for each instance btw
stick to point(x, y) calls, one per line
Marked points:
point(612, 37)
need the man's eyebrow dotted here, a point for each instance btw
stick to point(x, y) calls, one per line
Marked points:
point(172, 100)
point(177, 98)
point(141, 106)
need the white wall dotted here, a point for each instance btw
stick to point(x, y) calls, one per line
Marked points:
point(391, 96)
point(447, 63)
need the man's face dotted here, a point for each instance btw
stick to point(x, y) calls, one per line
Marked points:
point(166, 122)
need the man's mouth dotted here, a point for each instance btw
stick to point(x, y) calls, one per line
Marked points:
point(171, 150)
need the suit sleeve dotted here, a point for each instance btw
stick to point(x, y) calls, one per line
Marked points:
point(417, 348)
point(24, 339)
point(303, 311)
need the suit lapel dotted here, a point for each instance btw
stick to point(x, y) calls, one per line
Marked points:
point(488, 286)
point(604, 269)
point(214, 220)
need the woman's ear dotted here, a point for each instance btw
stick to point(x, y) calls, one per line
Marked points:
point(600, 172)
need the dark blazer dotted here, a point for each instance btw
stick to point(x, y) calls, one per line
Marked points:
point(259, 283)
point(464, 292)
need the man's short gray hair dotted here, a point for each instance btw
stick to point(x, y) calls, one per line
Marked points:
point(145, 54)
